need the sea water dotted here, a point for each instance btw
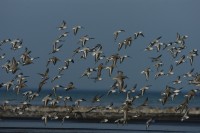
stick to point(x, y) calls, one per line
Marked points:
point(116, 98)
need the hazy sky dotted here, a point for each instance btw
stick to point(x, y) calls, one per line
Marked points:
point(36, 22)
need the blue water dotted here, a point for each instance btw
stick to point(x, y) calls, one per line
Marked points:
point(87, 127)
point(116, 98)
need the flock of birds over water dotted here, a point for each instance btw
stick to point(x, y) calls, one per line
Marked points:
point(18, 82)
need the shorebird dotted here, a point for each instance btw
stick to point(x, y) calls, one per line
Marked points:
point(174, 51)
point(114, 58)
point(27, 60)
point(166, 45)
point(33, 96)
point(120, 45)
point(158, 65)
point(97, 55)
point(185, 116)
point(58, 41)
point(158, 46)
point(105, 120)
point(155, 41)
point(99, 69)
point(128, 42)
point(137, 114)
point(76, 29)
point(5, 104)
point(97, 98)
point(155, 59)
point(16, 44)
point(123, 57)
point(133, 89)
point(181, 39)
point(116, 34)
point(5, 41)
point(110, 68)
point(160, 73)
point(193, 53)
point(2, 56)
point(6, 66)
point(56, 48)
point(19, 86)
point(189, 74)
point(175, 92)
point(76, 51)
point(67, 98)
point(170, 72)
point(113, 88)
point(45, 118)
point(120, 80)
point(183, 106)
point(65, 117)
point(128, 100)
point(70, 86)
point(167, 92)
point(63, 35)
point(121, 120)
point(8, 84)
point(46, 99)
point(137, 34)
point(110, 106)
point(191, 94)
point(55, 88)
point(85, 52)
point(68, 61)
point(84, 39)
point(54, 60)
point(62, 26)
point(61, 69)
point(143, 89)
point(45, 74)
point(180, 61)
point(42, 83)
point(54, 102)
point(13, 66)
point(56, 77)
point(149, 121)
point(148, 48)
point(78, 101)
point(88, 72)
point(145, 103)
point(177, 81)
point(146, 72)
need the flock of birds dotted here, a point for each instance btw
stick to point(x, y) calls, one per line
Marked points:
point(108, 63)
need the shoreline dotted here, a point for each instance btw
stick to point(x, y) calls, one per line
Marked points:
point(98, 113)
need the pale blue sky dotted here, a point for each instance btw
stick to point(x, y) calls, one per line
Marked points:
point(35, 22)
